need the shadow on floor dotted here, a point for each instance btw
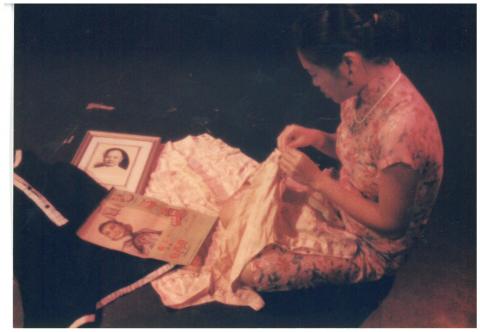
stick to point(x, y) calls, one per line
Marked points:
point(329, 306)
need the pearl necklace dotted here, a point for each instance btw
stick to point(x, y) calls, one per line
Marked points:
point(378, 101)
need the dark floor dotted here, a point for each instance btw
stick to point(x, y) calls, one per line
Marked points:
point(172, 71)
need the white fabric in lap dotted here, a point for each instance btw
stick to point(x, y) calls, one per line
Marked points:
point(199, 172)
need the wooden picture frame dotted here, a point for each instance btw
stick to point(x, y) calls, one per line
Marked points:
point(119, 160)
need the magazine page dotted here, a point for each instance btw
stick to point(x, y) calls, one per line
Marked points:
point(147, 228)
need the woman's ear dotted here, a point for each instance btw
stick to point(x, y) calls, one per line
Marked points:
point(351, 63)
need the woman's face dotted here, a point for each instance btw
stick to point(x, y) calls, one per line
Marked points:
point(113, 158)
point(333, 85)
point(115, 231)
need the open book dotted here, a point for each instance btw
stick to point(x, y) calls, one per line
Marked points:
point(147, 228)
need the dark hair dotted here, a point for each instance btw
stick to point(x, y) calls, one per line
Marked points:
point(125, 160)
point(323, 33)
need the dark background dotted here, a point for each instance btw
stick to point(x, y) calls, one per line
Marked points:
point(228, 70)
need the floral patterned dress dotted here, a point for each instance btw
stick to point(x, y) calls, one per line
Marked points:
point(270, 237)
point(388, 123)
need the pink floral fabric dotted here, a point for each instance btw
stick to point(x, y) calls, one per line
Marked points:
point(400, 129)
point(388, 123)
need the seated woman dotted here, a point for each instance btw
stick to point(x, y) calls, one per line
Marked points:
point(388, 144)
point(294, 225)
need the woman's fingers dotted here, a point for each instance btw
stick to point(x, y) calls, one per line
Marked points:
point(290, 162)
point(295, 185)
point(298, 166)
point(292, 155)
point(293, 136)
point(285, 136)
point(286, 165)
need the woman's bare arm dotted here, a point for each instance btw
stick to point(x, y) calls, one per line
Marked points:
point(389, 216)
point(328, 145)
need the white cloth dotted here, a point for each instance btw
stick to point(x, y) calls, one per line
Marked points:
point(201, 173)
point(205, 174)
point(233, 246)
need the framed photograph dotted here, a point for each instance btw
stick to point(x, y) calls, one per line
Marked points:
point(122, 161)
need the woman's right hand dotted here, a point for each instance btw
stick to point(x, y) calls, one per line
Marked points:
point(295, 136)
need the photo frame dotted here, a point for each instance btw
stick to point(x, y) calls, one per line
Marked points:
point(118, 160)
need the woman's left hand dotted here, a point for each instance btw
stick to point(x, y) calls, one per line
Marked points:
point(299, 166)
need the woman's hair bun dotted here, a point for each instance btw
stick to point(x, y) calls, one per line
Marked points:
point(324, 33)
point(388, 35)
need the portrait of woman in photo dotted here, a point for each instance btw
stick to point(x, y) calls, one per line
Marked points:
point(113, 169)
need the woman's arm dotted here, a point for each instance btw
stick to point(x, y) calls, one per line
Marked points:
point(295, 136)
point(328, 146)
point(390, 216)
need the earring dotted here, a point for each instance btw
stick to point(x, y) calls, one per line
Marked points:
point(349, 82)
